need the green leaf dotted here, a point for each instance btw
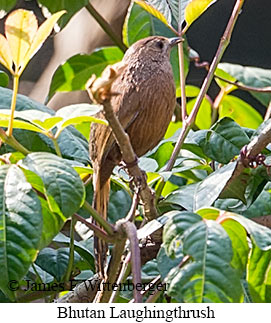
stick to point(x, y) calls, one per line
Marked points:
point(152, 7)
point(165, 263)
point(76, 71)
point(204, 116)
point(5, 7)
point(183, 197)
point(55, 262)
point(4, 79)
point(77, 114)
point(227, 87)
point(61, 182)
point(240, 247)
point(210, 188)
point(20, 226)
point(228, 136)
point(207, 276)
point(260, 207)
point(72, 144)
point(240, 111)
point(259, 275)
point(18, 124)
point(52, 224)
point(175, 227)
point(170, 9)
point(195, 9)
point(251, 76)
point(72, 7)
point(78, 247)
point(260, 235)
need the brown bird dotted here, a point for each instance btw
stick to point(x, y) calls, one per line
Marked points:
point(144, 104)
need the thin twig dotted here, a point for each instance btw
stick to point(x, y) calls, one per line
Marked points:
point(268, 112)
point(266, 89)
point(98, 231)
point(187, 124)
point(98, 218)
point(106, 27)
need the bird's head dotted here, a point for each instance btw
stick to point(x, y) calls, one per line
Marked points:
point(153, 46)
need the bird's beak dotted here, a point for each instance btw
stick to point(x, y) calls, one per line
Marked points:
point(174, 41)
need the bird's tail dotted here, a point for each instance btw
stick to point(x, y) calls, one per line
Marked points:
point(100, 203)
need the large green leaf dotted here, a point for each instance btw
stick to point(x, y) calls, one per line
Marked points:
point(79, 247)
point(251, 76)
point(184, 197)
point(55, 262)
point(259, 275)
point(208, 276)
point(240, 111)
point(75, 72)
point(20, 226)
point(204, 116)
point(208, 190)
point(61, 182)
point(72, 144)
point(71, 7)
point(174, 228)
point(226, 135)
point(237, 234)
point(168, 8)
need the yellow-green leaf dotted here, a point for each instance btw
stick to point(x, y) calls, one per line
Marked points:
point(5, 53)
point(19, 124)
point(152, 11)
point(20, 28)
point(196, 8)
point(43, 32)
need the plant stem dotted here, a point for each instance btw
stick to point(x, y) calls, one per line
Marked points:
point(13, 104)
point(187, 124)
point(106, 27)
point(71, 252)
point(98, 218)
point(57, 149)
point(181, 67)
point(11, 141)
point(182, 80)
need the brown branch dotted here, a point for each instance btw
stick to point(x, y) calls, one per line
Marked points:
point(83, 292)
point(264, 220)
point(130, 230)
point(256, 145)
point(266, 89)
point(98, 231)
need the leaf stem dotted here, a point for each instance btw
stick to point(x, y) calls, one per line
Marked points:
point(71, 252)
point(11, 141)
point(57, 149)
point(106, 27)
point(98, 218)
point(13, 104)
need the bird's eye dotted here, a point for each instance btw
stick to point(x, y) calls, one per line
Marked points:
point(160, 44)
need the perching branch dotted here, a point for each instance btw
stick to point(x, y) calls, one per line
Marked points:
point(102, 95)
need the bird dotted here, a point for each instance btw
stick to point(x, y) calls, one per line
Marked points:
point(144, 103)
